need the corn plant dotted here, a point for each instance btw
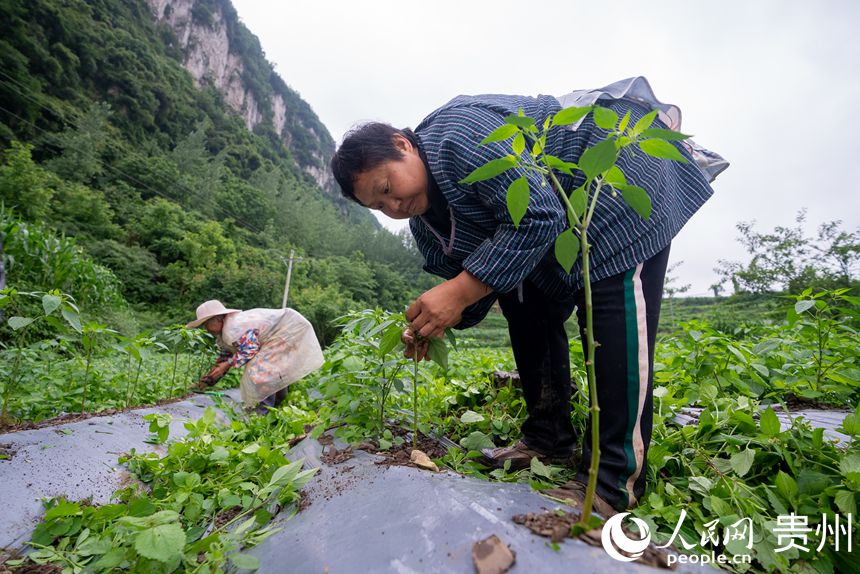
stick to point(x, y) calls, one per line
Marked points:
point(601, 175)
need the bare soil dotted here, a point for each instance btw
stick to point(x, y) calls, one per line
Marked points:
point(553, 525)
point(793, 402)
point(400, 455)
point(29, 567)
point(333, 456)
point(304, 501)
point(556, 525)
point(226, 515)
point(336, 484)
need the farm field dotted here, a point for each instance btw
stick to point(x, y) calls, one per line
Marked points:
point(735, 460)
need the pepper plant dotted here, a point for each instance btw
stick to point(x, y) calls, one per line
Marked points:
point(52, 302)
point(364, 369)
point(601, 175)
point(90, 336)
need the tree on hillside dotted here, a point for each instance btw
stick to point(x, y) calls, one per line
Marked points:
point(81, 145)
point(787, 259)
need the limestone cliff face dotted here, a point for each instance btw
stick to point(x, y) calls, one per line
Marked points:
point(219, 50)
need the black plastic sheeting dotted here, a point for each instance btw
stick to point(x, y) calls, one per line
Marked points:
point(359, 516)
point(367, 517)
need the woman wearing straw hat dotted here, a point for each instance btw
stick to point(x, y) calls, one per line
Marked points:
point(276, 346)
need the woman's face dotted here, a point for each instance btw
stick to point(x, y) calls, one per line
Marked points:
point(397, 188)
point(215, 324)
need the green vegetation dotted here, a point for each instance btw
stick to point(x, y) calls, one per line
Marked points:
point(164, 187)
point(734, 462)
point(128, 196)
point(596, 166)
point(213, 493)
point(788, 259)
point(75, 367)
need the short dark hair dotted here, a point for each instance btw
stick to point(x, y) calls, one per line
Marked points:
point(364, 147)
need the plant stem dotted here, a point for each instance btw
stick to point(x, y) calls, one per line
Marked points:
point(565, 198)
point(7, 392)
point(134, 387)
point(173, 379)
point(820, 356)
point(590, 346)
point(415, 399)
point(592, 383)
point(386, 389)
point(86, 380)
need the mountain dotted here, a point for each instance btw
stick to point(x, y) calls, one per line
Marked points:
point(157, 135)
point(218, 50)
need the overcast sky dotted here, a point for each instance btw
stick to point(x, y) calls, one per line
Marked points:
point(773, 86)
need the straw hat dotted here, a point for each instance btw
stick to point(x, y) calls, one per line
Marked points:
point(208, 310)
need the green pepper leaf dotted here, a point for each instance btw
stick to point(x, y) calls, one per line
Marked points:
point(490, 169)
point(520, 121)
point(519, 144)
point(570, 115)
point(598, 158)
point(661, 149)
point(644, 123)
point(605, 118)
point(579, 201)
point(664, 134)
point(637, 198)
point(567, 249)
point(501, 133)
point(518, 199)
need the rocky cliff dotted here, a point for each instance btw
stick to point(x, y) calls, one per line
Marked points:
point(219, 50)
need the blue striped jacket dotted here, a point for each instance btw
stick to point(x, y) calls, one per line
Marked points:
point(487, 244)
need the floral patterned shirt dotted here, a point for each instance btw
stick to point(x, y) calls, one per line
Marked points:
point(246, 348)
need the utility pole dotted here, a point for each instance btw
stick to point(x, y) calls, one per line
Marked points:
point(289, 262)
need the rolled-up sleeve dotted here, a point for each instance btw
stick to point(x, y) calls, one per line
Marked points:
point(504, 260)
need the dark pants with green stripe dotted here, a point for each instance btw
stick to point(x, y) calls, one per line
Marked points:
point(626, 313)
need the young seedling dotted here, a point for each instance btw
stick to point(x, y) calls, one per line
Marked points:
point(89, 339)
point(601, 175)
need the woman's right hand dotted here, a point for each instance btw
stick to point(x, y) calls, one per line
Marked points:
point(412, 346)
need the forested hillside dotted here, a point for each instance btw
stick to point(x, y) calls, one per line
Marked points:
point(109, 139)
